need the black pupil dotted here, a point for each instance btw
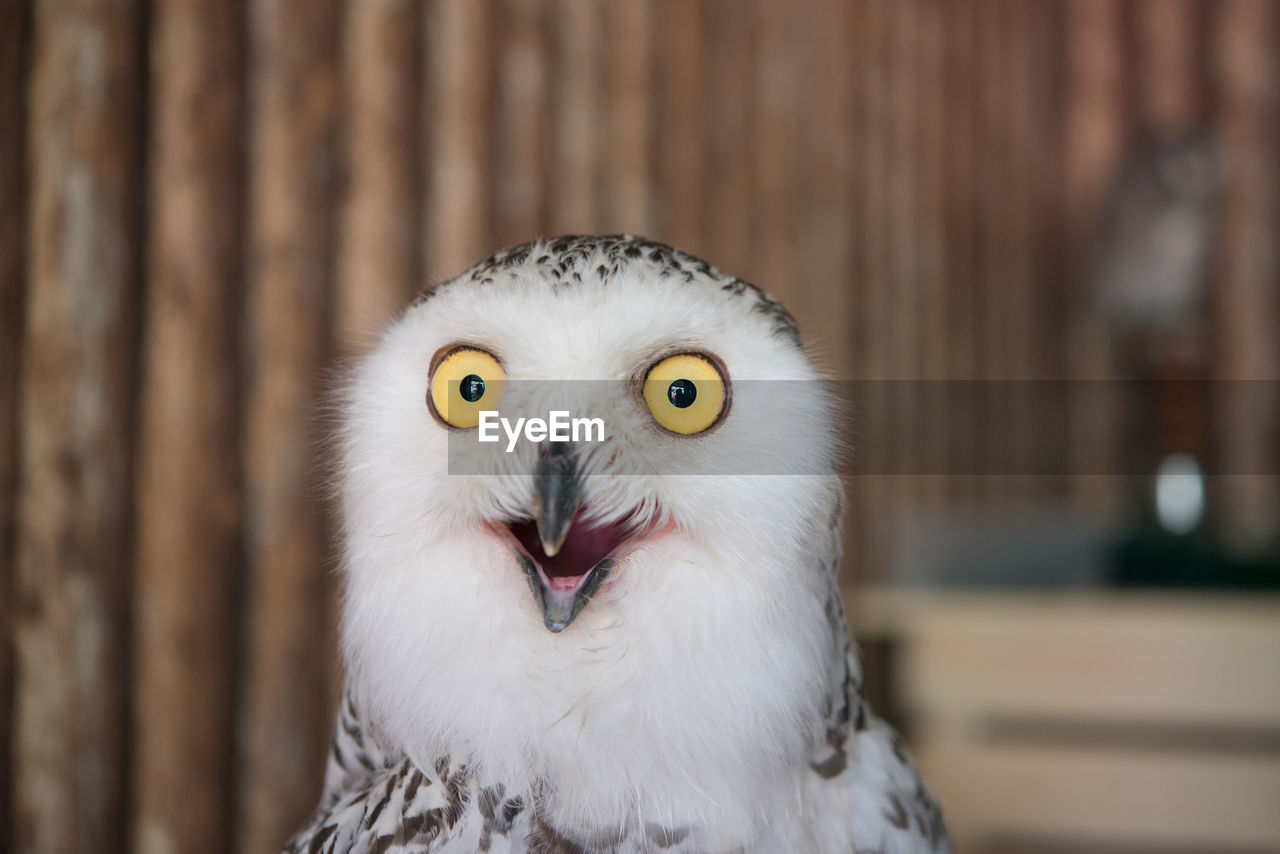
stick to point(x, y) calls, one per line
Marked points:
point(682, 393)
point(472, 388)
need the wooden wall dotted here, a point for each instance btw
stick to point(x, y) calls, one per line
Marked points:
point(204, 205)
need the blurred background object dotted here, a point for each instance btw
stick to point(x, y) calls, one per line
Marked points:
point(1153, 254)
point(206, 207)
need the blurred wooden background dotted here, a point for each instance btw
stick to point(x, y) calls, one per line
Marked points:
point(203, 205)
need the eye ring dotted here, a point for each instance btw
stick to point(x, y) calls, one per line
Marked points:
point(686, 412)
point(457, 364)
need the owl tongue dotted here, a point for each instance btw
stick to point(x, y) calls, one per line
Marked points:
point(583, 548)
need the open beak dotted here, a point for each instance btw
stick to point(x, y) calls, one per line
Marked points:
point(565, 558)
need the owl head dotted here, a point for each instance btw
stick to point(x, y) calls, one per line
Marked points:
point(547, 602)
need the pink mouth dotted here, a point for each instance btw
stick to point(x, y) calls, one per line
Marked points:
point(583, 549)
point(564, 583)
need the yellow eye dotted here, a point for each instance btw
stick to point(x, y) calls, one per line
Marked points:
point(465, 382)
point(686, 393)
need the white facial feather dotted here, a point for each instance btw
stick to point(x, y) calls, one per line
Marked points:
point(690, 690)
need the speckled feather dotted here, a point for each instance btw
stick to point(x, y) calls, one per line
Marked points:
point(564, 262)
point(375, 801)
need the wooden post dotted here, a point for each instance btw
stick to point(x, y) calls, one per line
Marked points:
point(15, 22)
point(1034, 217)
point(576, 138)
point(1045, 138)
point(520, 155)
point(679, 180)
point(1247, 285)
point(865, 69)
point(76, 421)
point(459, 47)
point(290, 672)
point(990, 173)
point(871, 191)
point(775, 108)
point(379, 255)
point(1169, 75)
point(961, 91)
point(825, 229)
point(627, 204)
point(903, 342)
point(930, 269)
point(1094, 122)
point(1094, 133)
point(188, 522)
point(826, 233)
point(726, 166)
point(1000, 253)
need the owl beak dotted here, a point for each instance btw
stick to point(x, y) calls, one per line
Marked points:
point(565, 564)
point(558, 492)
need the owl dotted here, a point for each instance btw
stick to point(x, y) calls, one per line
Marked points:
point(1152, 260)
point(626, 638)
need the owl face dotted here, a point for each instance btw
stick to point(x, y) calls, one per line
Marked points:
point(649, 351)
point(678, 536)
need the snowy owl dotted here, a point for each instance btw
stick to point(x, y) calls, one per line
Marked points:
point(627, 638)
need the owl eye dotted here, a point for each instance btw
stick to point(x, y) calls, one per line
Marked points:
point(686, 393)
point(465, 382)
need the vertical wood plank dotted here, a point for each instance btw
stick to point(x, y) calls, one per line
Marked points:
point(1018, 358)
point(987, 168)
point(76, 421)
point(381, 209)
point(825, 230)
point(824, 225)
point(1247, 293)
point(872, 73)
point(626, 203)
point(990, 169)
point(726, 163)
point(187, 571)
point(520, 153)
point(15, 32)
point(1094, 116)
point(1047, 117)
point(1169, 72)
point(871, 57)
point(773, 170)
point(1037, 215)
point(850, 42)
point(459, 109)
point(997, 255)
point(901, 90)
point(679, 179)
point(962, 91)
point(931, 268)
point(577, 142)
point(898, 345)
point(1094, 136)
point(288, 673)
